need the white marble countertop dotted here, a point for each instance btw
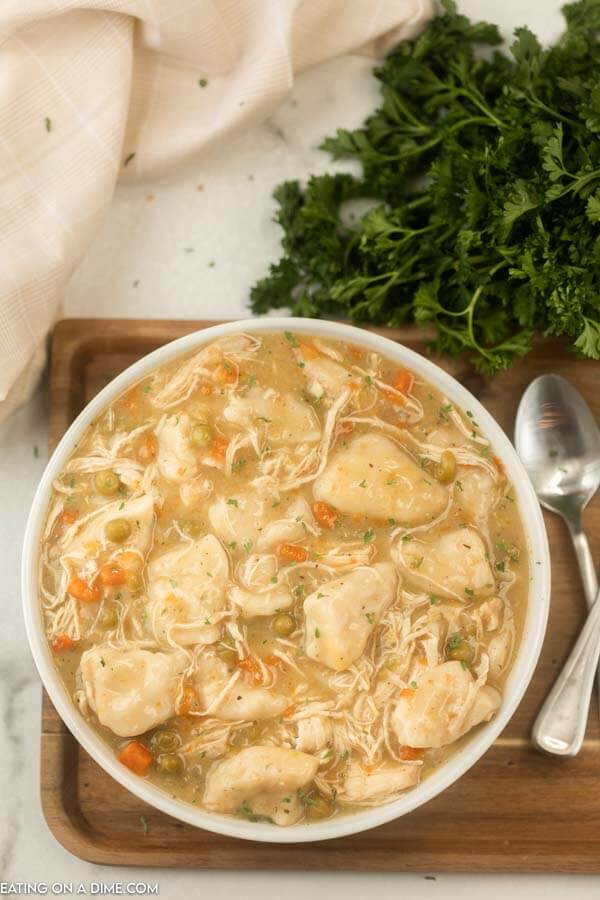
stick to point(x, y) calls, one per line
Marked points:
point(152, 258)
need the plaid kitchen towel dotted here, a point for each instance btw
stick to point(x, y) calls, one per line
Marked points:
point(96, 90)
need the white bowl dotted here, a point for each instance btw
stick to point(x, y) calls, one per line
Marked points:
point(462, 760)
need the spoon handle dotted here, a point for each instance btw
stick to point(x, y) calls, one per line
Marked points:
point(585, 560)
point(560, 725)
point(587, 569)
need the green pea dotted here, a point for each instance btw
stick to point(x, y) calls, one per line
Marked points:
point(318, 807)
point(201, 435)
point(134, 583)
point(107, 483)
point(283, 624)
point(109, 619)
point(167, 741)
point(118, 530)
point(228, 655)
point(445, 470)
point(170, 763)
point(459, 649)
point(253, 732)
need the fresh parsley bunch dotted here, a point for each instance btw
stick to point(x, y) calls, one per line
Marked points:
point(483, 170)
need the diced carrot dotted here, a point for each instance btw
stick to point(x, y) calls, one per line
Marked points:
point(368, 769)
point(409, 753)
point(393, 397)
point(129, 560)
point(130, 402)
point(219, 447)
point(406, 693)
point(227, 372)
point(309, 351)
point(293, 552)
point(63, 642)
point(325, 514)
point(344, 428)
point(498, 463)
point(289, 710)
point(190, 702)
point(147, 448)
point(67, 518)
point(354, 385)
point(81, 590)
point(206, 388)
point(272, 660)
point(403, 381)
point(111, 574)
point(356, 352)
point(136, 757)
point(249, 664)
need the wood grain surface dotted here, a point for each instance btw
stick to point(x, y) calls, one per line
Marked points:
point(514, 811)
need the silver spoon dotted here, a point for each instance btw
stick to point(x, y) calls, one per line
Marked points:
point(559, 444)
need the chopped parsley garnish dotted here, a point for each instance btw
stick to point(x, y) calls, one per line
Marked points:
point(454, 641)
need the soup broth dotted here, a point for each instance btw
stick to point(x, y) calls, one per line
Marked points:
point(283, 577)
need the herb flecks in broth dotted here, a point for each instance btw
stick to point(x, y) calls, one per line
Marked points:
point(283, 577)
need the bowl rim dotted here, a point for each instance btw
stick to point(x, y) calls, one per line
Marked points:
point(462, 760)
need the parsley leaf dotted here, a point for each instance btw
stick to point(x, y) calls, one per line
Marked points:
point(482, 171)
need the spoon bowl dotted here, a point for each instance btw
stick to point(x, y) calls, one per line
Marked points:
point(559, 444)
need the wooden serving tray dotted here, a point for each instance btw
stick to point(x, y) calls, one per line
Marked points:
point(516, 810)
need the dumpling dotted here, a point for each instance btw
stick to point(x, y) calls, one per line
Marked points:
point(341, 614)
point(131, 690)
point(387, 779)
point(476, 492)
point(186, 588)
point(372, 476)
point(292, 526)
point(324, 376)
point(254, 517)
point(262, 781)
point(175, 458)
point(83, 548)
point(239, 518)
point(446, 703)
point(241, 701)
point(287, 419)
point(453, 564)
point(314, 733)
point(261, 593)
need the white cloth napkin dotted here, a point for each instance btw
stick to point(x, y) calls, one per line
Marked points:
point(92, 91)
